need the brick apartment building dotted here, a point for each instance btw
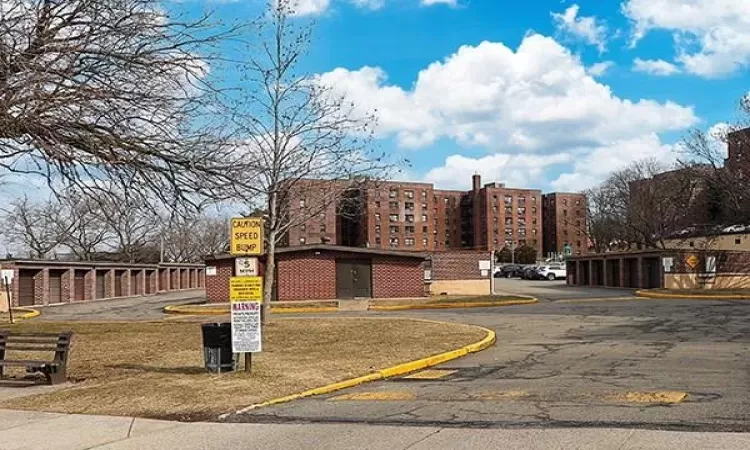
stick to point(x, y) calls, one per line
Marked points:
point(738, 155)
point(564, 223)
point(417, 217)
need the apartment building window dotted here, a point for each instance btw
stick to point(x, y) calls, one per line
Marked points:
point(522, 231)
point(535, 231)
point(565, 232)
point(509, 231)
point(409, 206)
point(578, 203)
point(521, 210)
point(409, 242)
point(302, 240)
point(565, 222)
point(435, 221)
point(508, 243)
point(424, 195)
point(302, 203)
point(377, 217)
point(565, 213)
point(393, 205)
point(424, 217)
point(494, 220)
point(393, 193)
point(494, 198)
point(508, 210)
point(533, 221)
point(303, 228)
point(446, 200)
point(377, 240)
point(424, 206)
point(377, 229)
point(322, 217)
point(534, 242)
point(496, 231)
point(424, 242)
point(578, 223)
point(410, 229)
point(494, 209)
point(425, 230)
point(508, 200)
point(410, 218)
point(447, 221)
point(533, 210)
point(409, 194)
point(521, 221)
point(579, 213)
point(565, 202)
point(394, 229)
point(322, 228)
point(434, 199)
point(436, 243)
point(578, 233)
point(522, 201)
point(377, 204)
point(521, 242)
point(394, 242)
point(377, 193)
point(393, 217)
point(495, 241)
point(533, 200)
point(434, 232)
point(578, 244)
point(508, 221)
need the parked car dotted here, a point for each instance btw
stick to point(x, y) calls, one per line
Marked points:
point(530, 273)
point(508, 271)
point(553, 272)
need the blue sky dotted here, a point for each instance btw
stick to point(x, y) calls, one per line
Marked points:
point(545, 93)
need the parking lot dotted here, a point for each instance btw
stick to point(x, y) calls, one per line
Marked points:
point(555, 290)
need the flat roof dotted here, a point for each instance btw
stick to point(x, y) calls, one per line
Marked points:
point(333, 248)
point(58, 263)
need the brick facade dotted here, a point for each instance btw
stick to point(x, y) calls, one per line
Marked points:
point(133, 279)
point(394, 278)
point(565, 222)
point(458, 265)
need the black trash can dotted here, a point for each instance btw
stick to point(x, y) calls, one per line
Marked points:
point(217, 347)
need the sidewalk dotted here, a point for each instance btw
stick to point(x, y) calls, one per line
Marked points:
point(28, 430)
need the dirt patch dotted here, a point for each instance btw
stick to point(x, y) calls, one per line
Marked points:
point(156, 369)
point(660, 397)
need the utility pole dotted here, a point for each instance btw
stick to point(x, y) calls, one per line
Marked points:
point(492, 272)
point(512, 251)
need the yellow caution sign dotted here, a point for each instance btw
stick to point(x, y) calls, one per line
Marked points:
point(246, 289)
point(692, 261)
point(246, 236)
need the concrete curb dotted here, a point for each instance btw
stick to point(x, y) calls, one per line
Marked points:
point(400, 369)
point(451, 305)
point(659, 295)
point(193, 310)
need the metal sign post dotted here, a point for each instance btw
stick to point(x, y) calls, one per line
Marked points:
point(6, 282)
point(245, 297)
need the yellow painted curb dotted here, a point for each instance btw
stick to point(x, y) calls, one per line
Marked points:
point(400, 369)
point(26, 313)
point(453, 305)
point(192, 310)
point(659, 295)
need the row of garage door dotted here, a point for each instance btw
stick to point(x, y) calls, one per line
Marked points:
point(27, 285)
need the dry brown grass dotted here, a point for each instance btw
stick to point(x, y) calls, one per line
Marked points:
point(155, 369)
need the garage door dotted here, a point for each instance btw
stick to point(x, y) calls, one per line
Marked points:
point(26, 287)
point(79, 285)
point(353, 279)
point(100, 284)
point(55, 286)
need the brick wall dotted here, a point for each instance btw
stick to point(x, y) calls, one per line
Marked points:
point(395, 278)
point(458, 265)
point(217, 286)
point(306, 276)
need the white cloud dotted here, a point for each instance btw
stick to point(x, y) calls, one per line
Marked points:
point(439, 2)
point(712, 37)
point(369, 4)
point(657, 67)
point(308, 7)
point(537, 101)
point(588, 29)
point(600, 69)
point(515, 170)
point(612, 156)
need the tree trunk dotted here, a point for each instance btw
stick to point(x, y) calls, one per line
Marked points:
point(269, 277)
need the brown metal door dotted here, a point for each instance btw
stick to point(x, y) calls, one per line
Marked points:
point(55, 286)
point(79, 285)
point(149, 275)
point(26, 287)
point(353, 279)
point(100, 291)
point(118, 283)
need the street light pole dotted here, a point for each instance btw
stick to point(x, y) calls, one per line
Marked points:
point(512, 251)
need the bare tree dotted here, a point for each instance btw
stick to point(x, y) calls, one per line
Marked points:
point(305, 146)
point(38, 228)
point(87, 232)
point(189, 237)
point(112, 90)
point(132, 225)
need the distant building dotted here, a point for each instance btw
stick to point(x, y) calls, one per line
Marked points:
point(400, 215)
point(738, 154)
point(565, 223)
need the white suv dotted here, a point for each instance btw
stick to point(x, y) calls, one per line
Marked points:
point(552, 272)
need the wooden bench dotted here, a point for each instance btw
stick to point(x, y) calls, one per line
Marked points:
point(59, 343)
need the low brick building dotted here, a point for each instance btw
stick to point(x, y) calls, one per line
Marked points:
point(40, 283)
point(459, 273)
point(324, 272)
